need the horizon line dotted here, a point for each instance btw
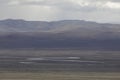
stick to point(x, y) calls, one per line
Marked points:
point(60, 20)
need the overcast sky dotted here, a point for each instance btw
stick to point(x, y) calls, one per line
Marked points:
point(50, 10)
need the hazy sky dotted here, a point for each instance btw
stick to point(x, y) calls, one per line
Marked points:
point(49, 10)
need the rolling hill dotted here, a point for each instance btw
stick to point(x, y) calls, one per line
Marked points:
point(72, 34)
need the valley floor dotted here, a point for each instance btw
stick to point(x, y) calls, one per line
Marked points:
point(59, 76)
point(23, 64)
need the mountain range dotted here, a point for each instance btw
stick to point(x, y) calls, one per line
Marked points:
point(71, 34)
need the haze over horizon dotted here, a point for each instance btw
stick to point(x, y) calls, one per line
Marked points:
point(103, 11)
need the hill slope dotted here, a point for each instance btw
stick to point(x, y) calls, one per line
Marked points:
point(59, 34)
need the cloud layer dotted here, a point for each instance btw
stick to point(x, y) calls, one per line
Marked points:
point(93, 10)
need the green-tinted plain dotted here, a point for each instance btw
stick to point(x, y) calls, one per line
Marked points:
point(59, 76)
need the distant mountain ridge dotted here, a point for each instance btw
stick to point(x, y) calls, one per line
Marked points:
point(12, 25)
point(78, 34)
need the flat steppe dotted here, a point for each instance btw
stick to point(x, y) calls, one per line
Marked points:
point(59, 64)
